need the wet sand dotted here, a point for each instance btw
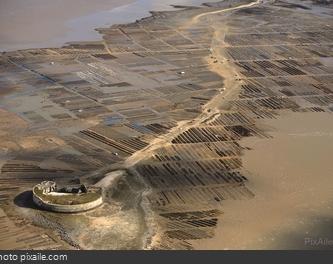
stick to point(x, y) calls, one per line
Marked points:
point(292, 178)
point(291, 185)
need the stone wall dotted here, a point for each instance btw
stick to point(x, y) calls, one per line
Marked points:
point(75, 208)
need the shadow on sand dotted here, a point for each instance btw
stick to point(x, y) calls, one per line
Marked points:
point(24, 200)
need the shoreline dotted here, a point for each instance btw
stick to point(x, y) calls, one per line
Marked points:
point(201, 167)
point(78, 28)
point(54, 31)
point(292, 202)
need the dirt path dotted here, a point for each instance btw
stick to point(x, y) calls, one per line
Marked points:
point(198, 17)
point(229, 91)
point(224, 69)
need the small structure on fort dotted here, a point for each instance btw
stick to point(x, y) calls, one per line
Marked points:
point(68, 199)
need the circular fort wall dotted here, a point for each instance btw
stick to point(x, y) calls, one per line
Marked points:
point(73, 208)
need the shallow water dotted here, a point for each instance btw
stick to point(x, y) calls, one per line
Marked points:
point(291, 177)
point(51, 23)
